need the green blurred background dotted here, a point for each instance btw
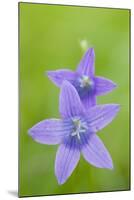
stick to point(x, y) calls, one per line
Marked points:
point(53, 37)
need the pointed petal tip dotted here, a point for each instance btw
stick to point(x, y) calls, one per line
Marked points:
point(113, 106)
point(114, 85)
point(103, 85)
point(86, 65)
point(66, 161)
point(60, 182)
point(110, 165)
point(30, 133)
point(52, 73)
point(58, 76)
point(46, 73)
point(49, 74)
point(117, 107)
point(91, 51)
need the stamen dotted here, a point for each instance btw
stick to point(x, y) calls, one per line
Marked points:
point(85, 81)
point(79, 127)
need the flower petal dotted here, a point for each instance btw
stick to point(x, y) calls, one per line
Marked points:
point(95, 152)
point(86, 65)
point(89, 101)
point(59, 76)
point(50, 131)
point(67, 157)
point(103, 85)
point(70, 103)
point(101, 115)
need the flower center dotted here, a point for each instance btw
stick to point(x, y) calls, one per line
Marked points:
point(85, 81)
point(79, 127)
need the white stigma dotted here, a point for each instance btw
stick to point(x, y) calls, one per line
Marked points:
point(79, 127)
point(85, 81)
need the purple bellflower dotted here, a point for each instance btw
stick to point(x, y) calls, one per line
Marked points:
point(76, 133)
point(87, 84)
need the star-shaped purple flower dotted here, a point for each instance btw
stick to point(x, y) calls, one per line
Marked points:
point(87, 84)
point(76, 133)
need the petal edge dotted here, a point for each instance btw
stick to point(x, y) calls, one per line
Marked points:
point(96, 153)
point(86, 65)
point(58, 76)
point(103, 85)
point(50, 131)
point(70, 103)
point(101, 115)
point(67, 158)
